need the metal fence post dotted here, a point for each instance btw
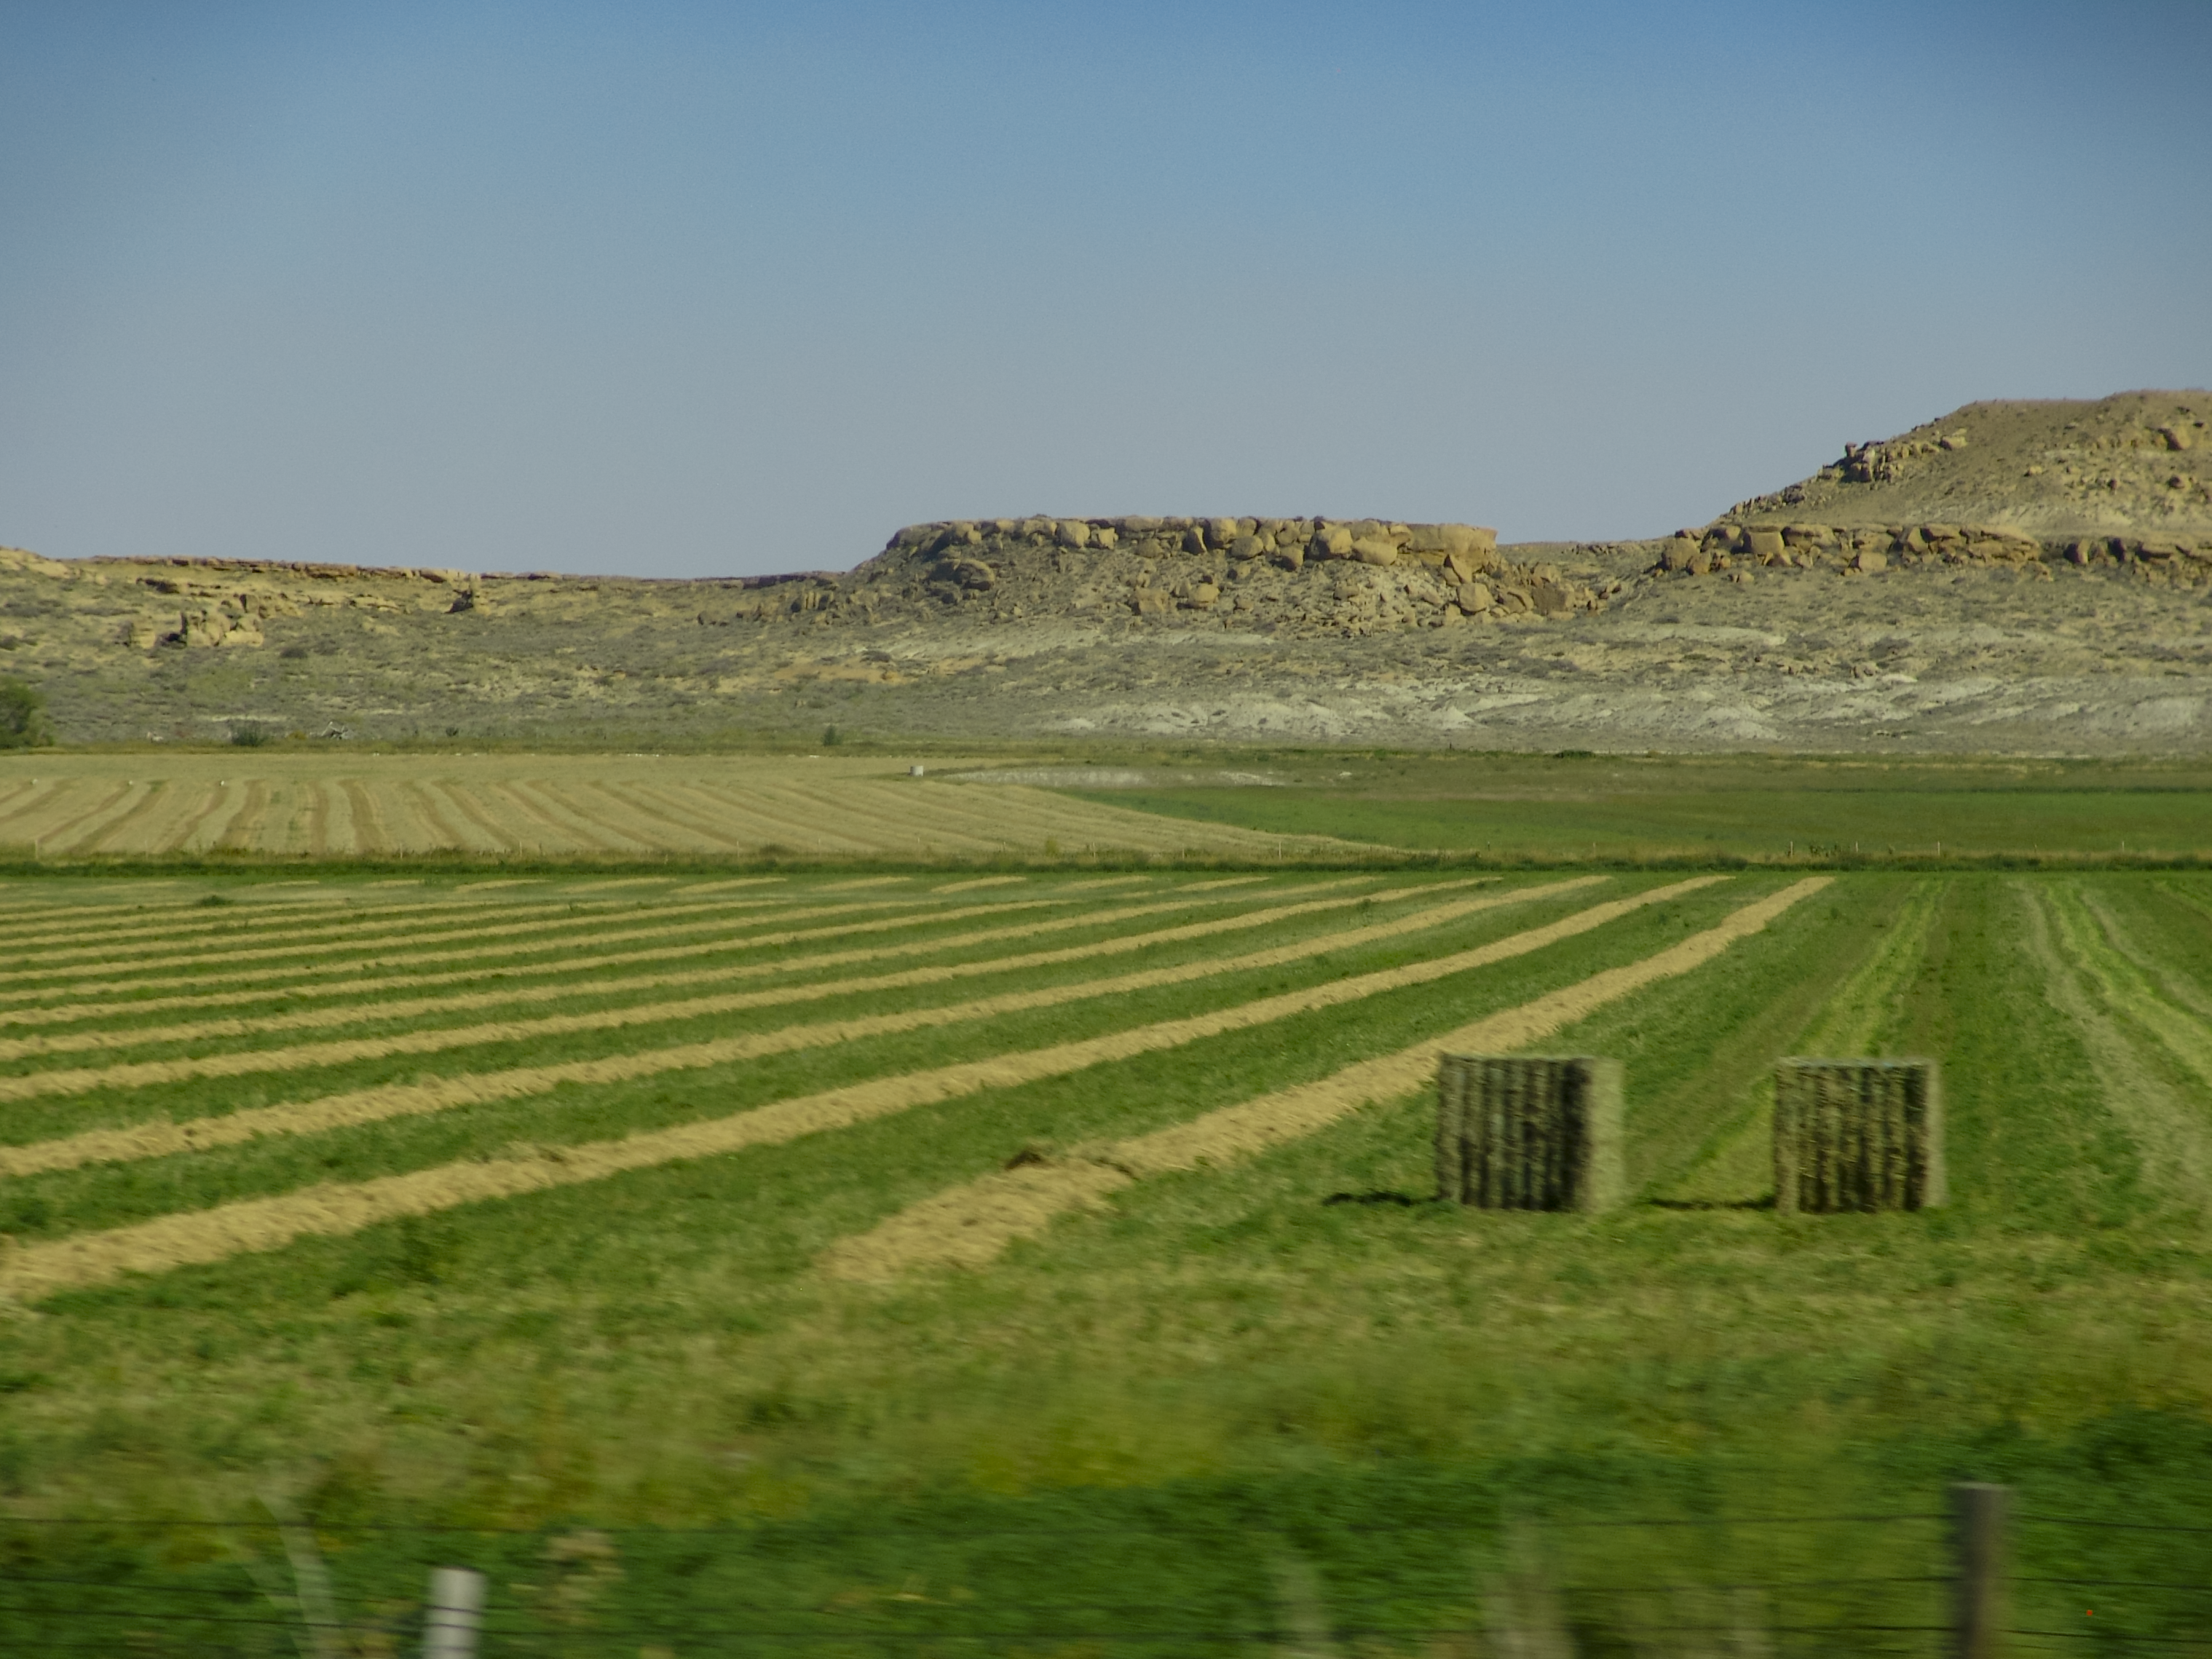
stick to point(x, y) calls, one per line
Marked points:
point(456, 1608)
point(1978, 1523)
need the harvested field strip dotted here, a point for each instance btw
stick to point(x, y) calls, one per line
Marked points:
point(764, 811)
point(624, 823)
point(355, 987)
point(2168, 1132)
point(164, 1137)
point(541, 820)
point(291, 932)
point(92, 805)
point(40, 799)
point(441, 819)
point(208, 802)
point(304, 1056)
point(980, 881)
point(488, 829)
point(244, 827)
point(969, 1225)
point(1738, 1163)
point(31, 1272)
point(268, 978)
point(148, 799)
point(355, 1012)
point(368, 832)
point(671, 805)
point(249, 920)
point(698, 915)
point(916, 807)
point(20, 797)
point(935, 813)
point(2093, 944)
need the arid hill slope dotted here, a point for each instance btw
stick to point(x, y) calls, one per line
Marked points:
point(2136, 463)
point(1951, 600)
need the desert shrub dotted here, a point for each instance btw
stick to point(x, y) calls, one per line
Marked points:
point(248, 737)
point(22, 716)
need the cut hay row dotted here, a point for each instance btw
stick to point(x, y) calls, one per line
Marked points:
point(667, 807)
point(308, 1055)
point(453, 822)
point(356, 987)
point(679, 809)
point(244, 919)
point(293, 934)
point(787, 812)
point(147, 799)
point(488, 962)
point(31, 1272)
point(980, 881)
point(702, 915)
point(969, 1224)
point(943, 811)
point(766, 817)
point(586, 804)
point(286, 804)
point(355, 1011)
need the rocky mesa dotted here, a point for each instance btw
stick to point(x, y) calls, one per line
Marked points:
point(2027, 576)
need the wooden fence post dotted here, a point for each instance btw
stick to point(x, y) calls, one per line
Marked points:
point(1977, 1525)
point(456, 1608)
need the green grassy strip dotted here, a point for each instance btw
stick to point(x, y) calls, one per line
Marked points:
point(1709, 1138)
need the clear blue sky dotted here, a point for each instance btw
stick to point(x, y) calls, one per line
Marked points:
point(671, 289)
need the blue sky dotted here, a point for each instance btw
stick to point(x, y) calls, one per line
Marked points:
point(683, 290)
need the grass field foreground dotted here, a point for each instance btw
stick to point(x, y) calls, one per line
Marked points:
point(589, 1289)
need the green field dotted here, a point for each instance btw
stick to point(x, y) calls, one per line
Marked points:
point(532, 1207)
point(1651, 808)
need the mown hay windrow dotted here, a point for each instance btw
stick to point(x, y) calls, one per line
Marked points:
point(355, 1012)
point(489, 963)
point(910, 914)
point(254, 919)
point(353, 988)
point(319, 933)
point(1857, 1134)
point(968, 1225)
point(170, 1242)
point(166, 1137)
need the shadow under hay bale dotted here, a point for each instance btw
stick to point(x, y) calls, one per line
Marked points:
point(1522, 1132)
point(1858, 1135)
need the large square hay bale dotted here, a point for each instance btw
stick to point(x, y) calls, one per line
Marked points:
point(1858, 1134)
point(1529, 1131)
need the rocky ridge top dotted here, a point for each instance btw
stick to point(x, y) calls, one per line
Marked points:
point(2132, 465)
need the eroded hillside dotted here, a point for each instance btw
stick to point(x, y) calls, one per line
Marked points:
point(1920, 606)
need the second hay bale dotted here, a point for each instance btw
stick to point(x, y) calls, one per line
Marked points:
point(1858, 1134)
